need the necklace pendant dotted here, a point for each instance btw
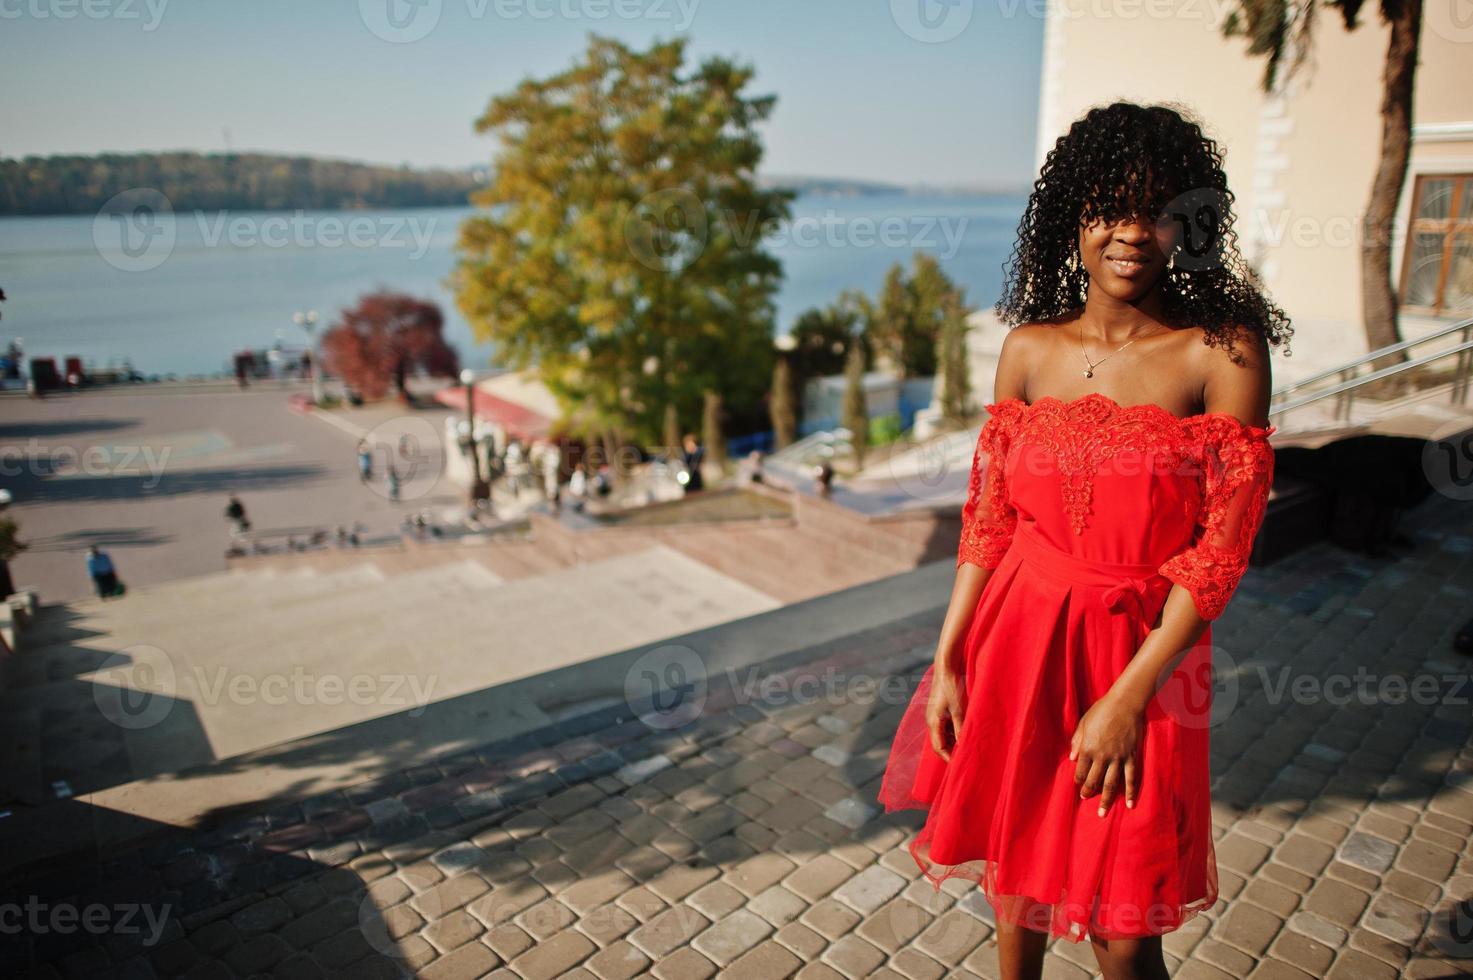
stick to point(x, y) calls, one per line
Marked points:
point(1089, 374)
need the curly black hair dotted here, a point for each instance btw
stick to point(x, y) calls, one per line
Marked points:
point(1153, 161)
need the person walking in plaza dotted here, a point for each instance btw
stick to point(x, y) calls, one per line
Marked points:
point(365, 461)
point(514, 467)
point(692, 453)
point(104, 575)
point(552, 463)
point(235, 512)
point(578, 486)
point(1059, 739)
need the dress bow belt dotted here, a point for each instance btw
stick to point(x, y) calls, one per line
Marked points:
point(1144, 596)
point(1131, 589)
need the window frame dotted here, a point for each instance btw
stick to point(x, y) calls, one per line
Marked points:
point(1449, 227)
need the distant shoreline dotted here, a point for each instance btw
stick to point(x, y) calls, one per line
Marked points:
point(74, 185)
point(69, 185)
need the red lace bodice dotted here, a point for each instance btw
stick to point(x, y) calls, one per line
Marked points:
point(1124, 483)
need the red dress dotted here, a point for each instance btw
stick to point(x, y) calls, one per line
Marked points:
point(1088, 511)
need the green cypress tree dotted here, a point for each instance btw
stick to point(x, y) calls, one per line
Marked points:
point(955, 380)
point(856, 410)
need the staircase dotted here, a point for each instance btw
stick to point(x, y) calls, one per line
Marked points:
point(1420, 389)
point(282, 648)
point(180, 675)
point(1416, 389)
point(188, 673)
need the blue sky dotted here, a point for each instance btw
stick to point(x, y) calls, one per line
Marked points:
point(909, 91)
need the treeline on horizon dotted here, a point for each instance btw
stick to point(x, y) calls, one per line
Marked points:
point(219, 181)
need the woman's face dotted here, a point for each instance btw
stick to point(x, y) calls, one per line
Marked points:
point(1127, 257)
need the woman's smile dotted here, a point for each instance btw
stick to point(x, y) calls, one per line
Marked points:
point(1127, 267)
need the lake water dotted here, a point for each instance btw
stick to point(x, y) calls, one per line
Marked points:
point(179, 293)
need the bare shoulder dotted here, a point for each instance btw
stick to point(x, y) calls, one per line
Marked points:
point(1031, 336)
point(1026, 345)
point(1236, 378)
point(1035, 341)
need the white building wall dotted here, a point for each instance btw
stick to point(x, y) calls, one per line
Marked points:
point(1299, 161)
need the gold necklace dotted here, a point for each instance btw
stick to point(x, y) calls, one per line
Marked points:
point(1089, 371)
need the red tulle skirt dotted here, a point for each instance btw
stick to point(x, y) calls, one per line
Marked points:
point(1050, 634)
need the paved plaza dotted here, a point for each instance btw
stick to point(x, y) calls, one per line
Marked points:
point(744, 837)
point(145, 471)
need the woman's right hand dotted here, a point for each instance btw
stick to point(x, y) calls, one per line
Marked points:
point(945, 708)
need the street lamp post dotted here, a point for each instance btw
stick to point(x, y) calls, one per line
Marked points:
point(308, 322)
point(479, 489)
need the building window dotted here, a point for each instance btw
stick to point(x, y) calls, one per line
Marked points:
point(1437, 270)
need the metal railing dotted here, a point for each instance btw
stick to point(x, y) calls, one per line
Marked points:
point(1350, 382)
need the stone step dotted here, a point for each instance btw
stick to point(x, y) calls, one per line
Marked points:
point(229, 622)
point(222, 603)
point(246, 678)
point(181, 593)
point(791, 563)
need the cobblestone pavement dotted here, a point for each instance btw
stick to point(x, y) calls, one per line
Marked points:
point(748, 841)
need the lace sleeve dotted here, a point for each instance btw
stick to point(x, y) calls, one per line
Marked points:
point(1237, 468)
point(988, 519)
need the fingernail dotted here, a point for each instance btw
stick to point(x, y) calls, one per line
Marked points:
point(1102, 811)
point(1130, 804)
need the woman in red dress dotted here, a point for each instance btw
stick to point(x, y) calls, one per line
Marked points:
point(1060, 739)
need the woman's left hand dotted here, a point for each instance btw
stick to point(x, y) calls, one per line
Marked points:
point(1105, 748)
